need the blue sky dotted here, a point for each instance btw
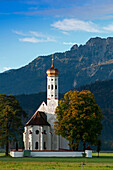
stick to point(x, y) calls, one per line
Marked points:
point(30, 28)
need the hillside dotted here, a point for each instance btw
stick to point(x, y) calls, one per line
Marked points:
point(79, 66)
point(103, 92)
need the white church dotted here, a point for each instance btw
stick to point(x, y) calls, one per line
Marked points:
point(39, 131)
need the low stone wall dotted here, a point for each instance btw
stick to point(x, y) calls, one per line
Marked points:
point(52, 153)
point(16, 153)
point(56, 154)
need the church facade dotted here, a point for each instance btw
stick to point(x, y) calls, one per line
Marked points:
point(39, 131)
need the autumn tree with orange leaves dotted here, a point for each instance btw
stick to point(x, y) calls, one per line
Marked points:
point(78, 119)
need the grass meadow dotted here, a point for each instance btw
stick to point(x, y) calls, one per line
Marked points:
point(104, 162)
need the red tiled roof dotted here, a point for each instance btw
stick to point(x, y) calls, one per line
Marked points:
point(38, 119)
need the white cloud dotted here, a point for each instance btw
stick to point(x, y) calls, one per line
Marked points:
point(109, 28)
point(69, 43)
point(19, 32)
point(37, 34)
point(76, 25)
point(66, 33)
point(34, 37)
point(29, 39)
point(36, 40)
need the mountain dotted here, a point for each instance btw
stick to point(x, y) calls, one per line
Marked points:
point(80, 65)
point(103, 93)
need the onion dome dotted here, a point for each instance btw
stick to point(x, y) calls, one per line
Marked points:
point(52, 71)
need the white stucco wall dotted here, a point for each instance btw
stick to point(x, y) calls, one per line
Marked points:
point(43, 107)
point(16, 154)
point(88, 153)
point(30, 139)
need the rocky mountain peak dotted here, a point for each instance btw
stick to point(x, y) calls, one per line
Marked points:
point(74, 47)
point(81, 65)
point(95, 41)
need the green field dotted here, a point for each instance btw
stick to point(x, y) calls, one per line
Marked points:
point(104, 162)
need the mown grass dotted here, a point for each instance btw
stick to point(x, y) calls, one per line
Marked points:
point(104, 162)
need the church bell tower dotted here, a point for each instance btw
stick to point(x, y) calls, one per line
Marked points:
point(52, 88)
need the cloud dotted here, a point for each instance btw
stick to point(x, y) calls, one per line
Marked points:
point(89, 9)
point(37, 34)
point(64, 32)
point(19, 32)
point(69, 43)
point(109, 28)
point(76, 25)
point(35, 40)
point(29, 39)
point(34, 37)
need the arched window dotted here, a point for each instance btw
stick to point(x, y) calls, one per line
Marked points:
point(36, 145)
point(45, 132)
point(55, 86)
point(52, 87)
point(44, 145)
point(37, 132)
point(29, 145)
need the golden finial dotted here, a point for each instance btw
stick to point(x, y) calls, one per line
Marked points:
point(52, 60)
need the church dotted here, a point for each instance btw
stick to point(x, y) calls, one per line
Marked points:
point(39, 133)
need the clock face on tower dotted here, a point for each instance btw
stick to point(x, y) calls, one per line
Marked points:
point(52, 103)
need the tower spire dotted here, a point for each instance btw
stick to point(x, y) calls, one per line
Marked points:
point(52, 61)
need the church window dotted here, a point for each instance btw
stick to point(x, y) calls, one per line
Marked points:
point(44, 145)
point(48, 86)
point(30, 132)
point(29, 145)
point(52, 87)
point(51, 95)
point(45, 132)
point(55, 86)
point(51, 79)
point(36, 145)
point(37, 132)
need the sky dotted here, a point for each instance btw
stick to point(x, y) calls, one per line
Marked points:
point(32, 28)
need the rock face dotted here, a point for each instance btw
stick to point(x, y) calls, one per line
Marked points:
point(81, 65)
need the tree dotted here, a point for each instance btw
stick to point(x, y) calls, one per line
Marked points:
point(11, 115)
point(98, 146)
point(78, 118)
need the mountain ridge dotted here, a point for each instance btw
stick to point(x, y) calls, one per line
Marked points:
point(78, 66)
